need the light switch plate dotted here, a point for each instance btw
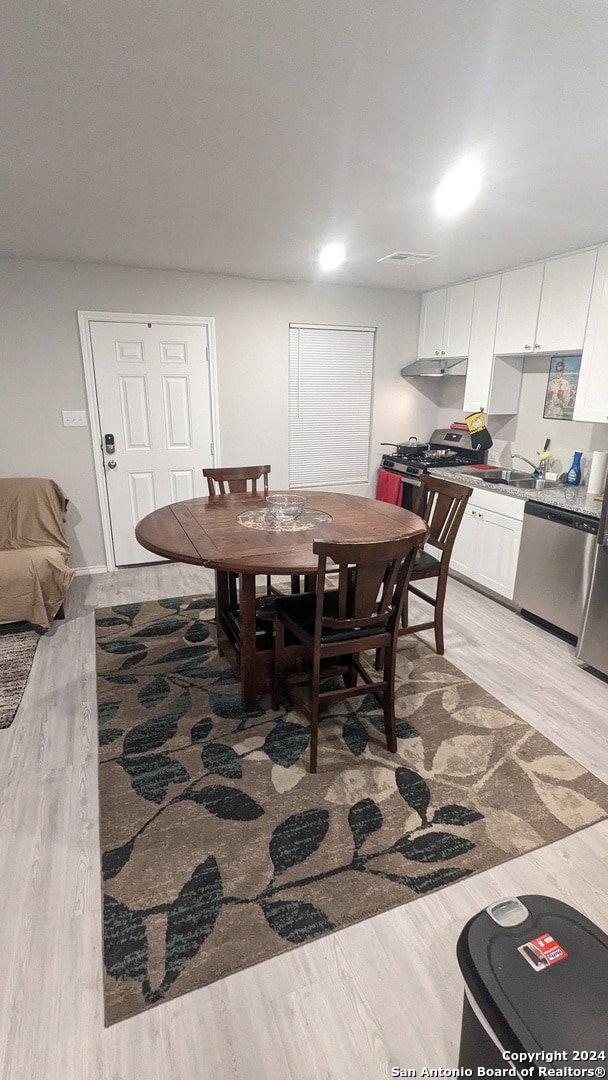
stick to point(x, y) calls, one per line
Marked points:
point(77, 418)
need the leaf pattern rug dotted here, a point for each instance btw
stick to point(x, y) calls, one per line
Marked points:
point(219, 849)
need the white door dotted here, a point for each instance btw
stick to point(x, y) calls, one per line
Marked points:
point(154, 397)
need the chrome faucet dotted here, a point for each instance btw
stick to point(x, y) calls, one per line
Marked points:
point(538, 470)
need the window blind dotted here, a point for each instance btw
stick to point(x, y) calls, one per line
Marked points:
point(330, 404)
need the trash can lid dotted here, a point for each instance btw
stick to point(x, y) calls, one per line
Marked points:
point(538, 975)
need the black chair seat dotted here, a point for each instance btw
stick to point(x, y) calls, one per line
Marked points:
point(425, 563)
point(298, 613)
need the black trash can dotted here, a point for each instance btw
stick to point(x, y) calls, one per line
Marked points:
point(536, 986)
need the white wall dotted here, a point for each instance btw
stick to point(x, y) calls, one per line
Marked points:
point(41, 369)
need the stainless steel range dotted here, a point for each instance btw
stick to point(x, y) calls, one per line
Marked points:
point(447, 448)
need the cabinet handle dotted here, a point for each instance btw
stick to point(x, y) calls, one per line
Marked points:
point(436, 352)
point(527, 346)
point(443, 352)
point(537, 346)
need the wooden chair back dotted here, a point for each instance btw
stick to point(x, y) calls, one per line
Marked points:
point(338, 624)
point(442, 505)
point(240, 478)
point(372, 577)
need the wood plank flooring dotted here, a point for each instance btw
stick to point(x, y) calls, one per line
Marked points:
point(384, 993)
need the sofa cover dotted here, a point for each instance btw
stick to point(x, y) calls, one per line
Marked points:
point(34, 552)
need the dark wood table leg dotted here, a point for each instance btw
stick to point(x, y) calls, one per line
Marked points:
point(248, 650)
point(222, 602)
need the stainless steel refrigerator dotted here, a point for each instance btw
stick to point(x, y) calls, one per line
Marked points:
point(593, 641)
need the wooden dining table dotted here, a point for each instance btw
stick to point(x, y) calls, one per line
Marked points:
point(234, 536)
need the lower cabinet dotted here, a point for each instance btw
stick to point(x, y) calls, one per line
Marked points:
point(487, 544)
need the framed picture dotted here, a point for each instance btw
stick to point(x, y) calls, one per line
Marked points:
point(561, 387)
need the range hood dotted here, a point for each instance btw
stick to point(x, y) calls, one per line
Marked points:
point(441, 366)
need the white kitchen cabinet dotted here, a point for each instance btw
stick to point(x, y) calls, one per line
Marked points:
point(544, 307)
point(487, 545)
point(564, 302)
point(445, 322)
point(592, 394)
point(520, 292)
point(492, 383)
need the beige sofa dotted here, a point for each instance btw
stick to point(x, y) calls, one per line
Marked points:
point(34, 552)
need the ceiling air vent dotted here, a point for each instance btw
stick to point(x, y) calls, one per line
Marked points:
point(406, 258)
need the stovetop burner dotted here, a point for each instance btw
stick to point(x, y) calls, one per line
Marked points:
point(447, 448)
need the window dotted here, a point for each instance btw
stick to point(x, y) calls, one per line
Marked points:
point(330, 404)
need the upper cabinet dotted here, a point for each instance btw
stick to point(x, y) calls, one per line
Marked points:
point(544, 307)
point(492, 383)
point(560, 305)
point(518, 309)
point(564, 302)
point(592, 394)
point(445, 322)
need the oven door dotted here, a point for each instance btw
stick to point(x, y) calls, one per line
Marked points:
point(410, 486)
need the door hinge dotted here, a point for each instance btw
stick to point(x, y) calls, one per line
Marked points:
point(207, 353)
point(211, 448)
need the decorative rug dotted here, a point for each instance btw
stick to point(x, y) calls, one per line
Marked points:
point(17, 648)
point(221, 850)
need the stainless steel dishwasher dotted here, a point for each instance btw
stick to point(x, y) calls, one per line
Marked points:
point(555, 565)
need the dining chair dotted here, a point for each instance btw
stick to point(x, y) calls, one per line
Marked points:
point(235, 479)
point(334, 626)
point(240, 478)
point(442, 505)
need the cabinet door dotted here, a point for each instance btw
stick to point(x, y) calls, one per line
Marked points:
point(481, 347)
point(564, 302)
point(464, 551)
point(458, 316)
point(432, 317)
point(497, 552)
point(592, 393)
point(518, 309)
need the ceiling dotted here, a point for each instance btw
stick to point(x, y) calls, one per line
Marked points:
point(239, 136)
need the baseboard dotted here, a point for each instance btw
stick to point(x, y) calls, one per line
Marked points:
point(79, 570)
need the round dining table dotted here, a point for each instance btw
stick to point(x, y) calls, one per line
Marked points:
point(236, 537)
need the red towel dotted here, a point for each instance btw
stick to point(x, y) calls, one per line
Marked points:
point(388, 487)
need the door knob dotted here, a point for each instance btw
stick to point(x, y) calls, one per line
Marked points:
point(112, 464)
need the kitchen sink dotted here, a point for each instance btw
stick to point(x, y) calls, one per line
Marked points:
point(496, 476)
point(511, 477)
point(533, 483)
point(504, 476)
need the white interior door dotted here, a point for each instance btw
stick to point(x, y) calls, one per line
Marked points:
point(153, 387)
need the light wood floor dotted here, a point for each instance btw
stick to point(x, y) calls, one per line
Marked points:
point(385, 992)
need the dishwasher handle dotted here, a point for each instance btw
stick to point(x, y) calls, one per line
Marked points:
point(571, 519)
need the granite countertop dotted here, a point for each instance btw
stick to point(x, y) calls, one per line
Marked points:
point(564, 495)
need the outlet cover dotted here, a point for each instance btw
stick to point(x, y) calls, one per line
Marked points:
point(76, 418)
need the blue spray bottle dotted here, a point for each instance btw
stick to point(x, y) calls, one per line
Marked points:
point(573, 475)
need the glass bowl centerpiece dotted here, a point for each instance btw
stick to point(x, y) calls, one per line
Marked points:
point(283, 509)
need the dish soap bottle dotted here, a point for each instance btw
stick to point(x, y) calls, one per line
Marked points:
point(573, 475)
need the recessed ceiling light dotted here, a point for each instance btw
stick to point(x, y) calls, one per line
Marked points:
point(460, 187)
point(332, 256)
